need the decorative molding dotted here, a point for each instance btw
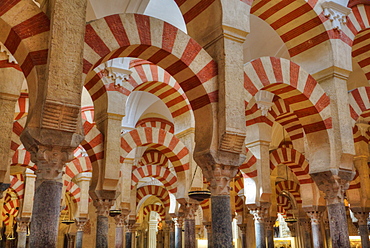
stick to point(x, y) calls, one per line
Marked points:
point(60, 116)
point(362, 125)
point(117, 71)
point(264, 101)
point(336, 12)
point(11, 59)
point(232, 142)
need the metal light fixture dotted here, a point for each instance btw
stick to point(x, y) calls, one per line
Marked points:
point(199, 195)
point(114, 212)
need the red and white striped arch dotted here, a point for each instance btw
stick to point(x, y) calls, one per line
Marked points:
point(280, 112)
point(87, 113)
point(294, 160)
point(76, 166)
point(359, 103)
point(21, 109)
point(163, 141)
point(11, 207)
point(358, 23)
point(133, 35)
point(292, 84)
point(154, 190)
point(205, 205)
point(289, 186)
point(93, 145)
point(152, 157)
point(73, 191)
point(154, 79)
point(356, 182)
point(22, 158)
point(297, 23)
point(156, 122)
point(284, 203)
point(164, 175)
point(239, 204)
point(24, 32)
point(17, 184)
point(155, 208)
point(248, 167)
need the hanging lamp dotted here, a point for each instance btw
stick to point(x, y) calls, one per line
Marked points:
point(199, 195)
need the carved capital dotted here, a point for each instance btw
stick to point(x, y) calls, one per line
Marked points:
point(120, 220)
point(50, 161)
point(315, 216)
point(179, 221)
point(259, 214)
point(362, 217)
point(80, 223)
point(191, 209)
point(264, 101)
point(3, 49)
point(270, 222)
point(336, 12)
point(333, 184)
point(170, 224)
point(219, 177)
point(242, 227)
point(305, 223)
point(22, 224)
point(102, 206)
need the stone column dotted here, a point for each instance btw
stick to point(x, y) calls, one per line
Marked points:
point(171, 230)
point(305, 224)
point(80, 223)
point(45, 216)
point(315, 216)
point(178, 232)
point(269, 224)
point(22, 228)
point(120, 223)
point(160, 239)
point(362, 227)
point(102, 209)
point(191, 208)
point(327, 231)
point(166, 233)
point(219, 176)
point(259, 214)
point(243, 230)
point(208, 226)
point(130, 231)
point(152, 237)
point(334, 183)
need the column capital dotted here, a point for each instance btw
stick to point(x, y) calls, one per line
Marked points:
point(219, 177)
point(191, 209)
point(170, 224)
point(243, 227)
point(50, 161)
point(80, 223)
point(22, 224)
point(102, 206)
point(259, 214)
point(362, 217)
point(120, 220)
point(270, 222)
point(333, 183)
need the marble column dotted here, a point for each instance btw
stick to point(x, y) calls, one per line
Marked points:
point(166, 238)
point(243, 230)
point(45, 216)
point(22, 228)
point(130, 232)
point(363, 228)
point(327, 231)
point(178, 232)
point(305, 224)
point(171, 229)
point(120, 223)
point(80, 223)
point(269, 224)
point(259, 214)
point(334, 183)
point(208, 226)
point(152, 237)
point(160, 239)
point(316, 216)
point(191, 207)
point(102, 206)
